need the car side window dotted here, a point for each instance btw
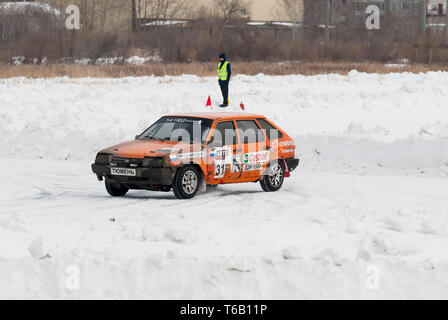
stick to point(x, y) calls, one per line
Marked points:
point(250, 132)
point(224, 134)
point(272, 132)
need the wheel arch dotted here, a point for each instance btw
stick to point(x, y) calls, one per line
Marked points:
point(203, 185)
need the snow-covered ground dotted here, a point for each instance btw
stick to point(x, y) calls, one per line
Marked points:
point(364, 216)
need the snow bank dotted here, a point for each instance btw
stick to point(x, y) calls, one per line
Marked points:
point(103, 275)
point(119, 60)
point(396, 121)
point(364, 156)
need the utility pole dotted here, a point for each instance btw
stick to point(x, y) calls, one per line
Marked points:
point(134, 16)
point(423, 9)
point(387, 12)
point(327, 21)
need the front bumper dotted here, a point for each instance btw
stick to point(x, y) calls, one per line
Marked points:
point(144, 176)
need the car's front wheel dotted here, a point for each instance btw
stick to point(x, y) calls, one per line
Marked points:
point(115, 189)
point(273, 179)
point(186, 182)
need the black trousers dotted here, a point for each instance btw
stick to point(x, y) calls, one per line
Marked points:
point(225, 93)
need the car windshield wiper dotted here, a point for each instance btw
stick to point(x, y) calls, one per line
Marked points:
point(150, 138)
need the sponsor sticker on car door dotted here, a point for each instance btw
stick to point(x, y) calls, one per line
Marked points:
point(256, 157)
point(255, 160)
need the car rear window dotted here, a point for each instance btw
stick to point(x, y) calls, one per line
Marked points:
point(272, 132)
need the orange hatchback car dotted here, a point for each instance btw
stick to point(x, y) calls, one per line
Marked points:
point(192, 152)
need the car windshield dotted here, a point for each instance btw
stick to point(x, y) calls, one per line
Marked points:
point(186, 129)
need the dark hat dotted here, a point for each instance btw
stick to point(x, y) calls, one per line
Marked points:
point(223, 55)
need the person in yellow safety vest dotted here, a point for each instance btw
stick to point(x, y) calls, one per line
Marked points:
point(224, 74)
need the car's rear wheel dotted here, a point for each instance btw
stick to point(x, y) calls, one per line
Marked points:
point(186, 182)
point(273, 179)
point(115, 189)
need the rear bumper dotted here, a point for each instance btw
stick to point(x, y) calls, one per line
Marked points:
point(292, 164)
point(145, 176)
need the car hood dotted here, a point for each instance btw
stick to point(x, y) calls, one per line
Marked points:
point(146, 148)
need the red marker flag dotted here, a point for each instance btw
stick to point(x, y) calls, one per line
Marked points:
point(242, 106)
point(209, 102)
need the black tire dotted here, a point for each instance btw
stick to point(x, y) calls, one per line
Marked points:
point(187, 182)
point(115, 189)
point(274, 177)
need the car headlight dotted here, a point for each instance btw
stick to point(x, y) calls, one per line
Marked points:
point(153, 162)
point(103, 158)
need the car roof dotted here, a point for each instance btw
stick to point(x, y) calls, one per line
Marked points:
point(217, 115)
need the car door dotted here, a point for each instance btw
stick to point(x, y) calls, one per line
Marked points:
point(222, 150)
point(255, 157)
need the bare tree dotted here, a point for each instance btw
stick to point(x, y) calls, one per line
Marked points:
point(20, 20)
point(102, 46)
point(228, 10)
point(163, 9)
point(134, 16)
point(291, 10)
point(99, 15)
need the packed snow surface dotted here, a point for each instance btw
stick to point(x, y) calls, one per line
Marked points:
point(364, 216)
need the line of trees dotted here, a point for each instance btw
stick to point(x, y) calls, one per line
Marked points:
point(223, 28)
